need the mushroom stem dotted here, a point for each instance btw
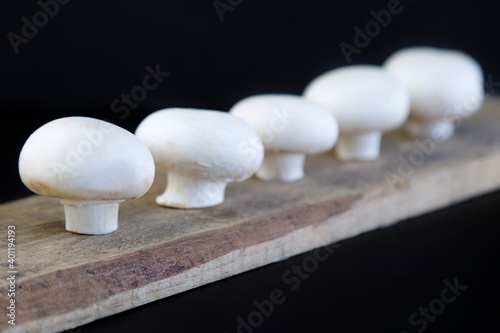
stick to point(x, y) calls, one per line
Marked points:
point(438, 130)
point(283, 167)
point(184, 191)
point(91, 217)
point(359, 147)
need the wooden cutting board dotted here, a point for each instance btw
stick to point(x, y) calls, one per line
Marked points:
point(64, 280)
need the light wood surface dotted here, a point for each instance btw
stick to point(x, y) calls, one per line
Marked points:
point(65, 280)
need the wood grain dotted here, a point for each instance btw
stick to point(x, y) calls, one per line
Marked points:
point(65, 280)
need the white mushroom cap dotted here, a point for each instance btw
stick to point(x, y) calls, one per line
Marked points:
point(201, 150)
point(89, 164)
point(366, 100)
point(444, 85)
point(290, 127)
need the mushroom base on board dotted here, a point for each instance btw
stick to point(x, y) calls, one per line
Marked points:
point(91, 217)
point(285, 167)
point(444, 85)
point(189, 192)
point(91, 166)
point(367, 101)
point(291, 127)
point(439, 130)
point(201, 150)
point(359, 147)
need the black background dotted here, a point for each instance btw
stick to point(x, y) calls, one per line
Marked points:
point(91, 52)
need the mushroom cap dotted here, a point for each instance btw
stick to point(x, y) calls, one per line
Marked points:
point(80, 158)
point(362, 98)
point(440, 82)
point(289, 123)
point(202, 143)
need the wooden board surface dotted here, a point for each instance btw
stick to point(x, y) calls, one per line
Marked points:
point(65, 280)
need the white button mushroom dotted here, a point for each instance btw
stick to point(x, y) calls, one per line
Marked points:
point(201, 150)
point(291, 127)
point(366, 100)
point(444, 85)
point(89, 164)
